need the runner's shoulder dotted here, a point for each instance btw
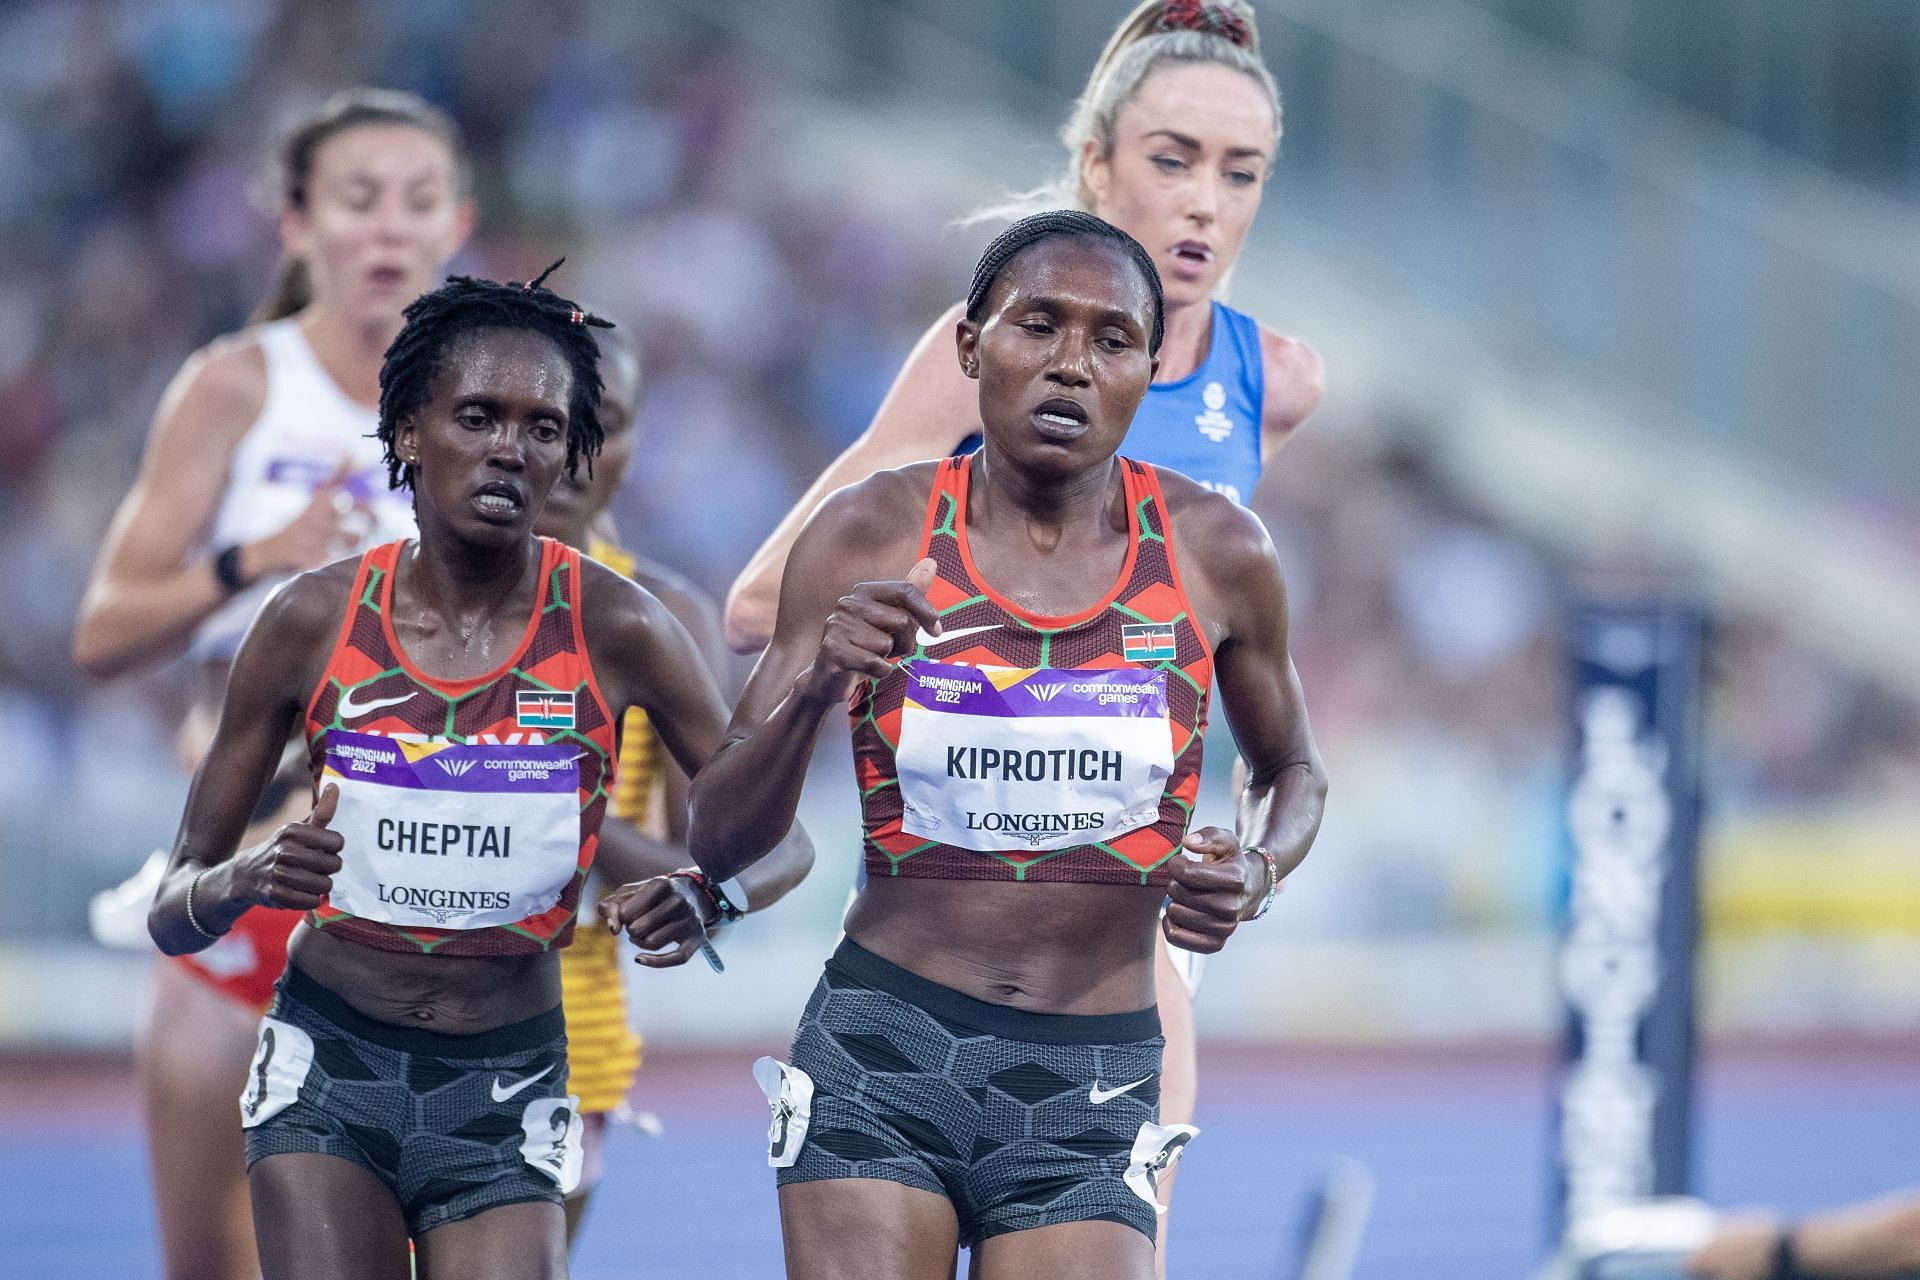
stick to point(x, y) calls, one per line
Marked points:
point(223, 384)
point(871, 517)
point(1295, 377)
point(1214, 532)
point(610, 599)
point(687, 601)
point(305, 611)
point(675, 589)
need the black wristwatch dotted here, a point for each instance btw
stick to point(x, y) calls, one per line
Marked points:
point(726, 898)
point(226, 568)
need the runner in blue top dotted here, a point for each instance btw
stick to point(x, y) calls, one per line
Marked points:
point(1172, 141)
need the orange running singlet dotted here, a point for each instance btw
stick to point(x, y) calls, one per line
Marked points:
point(1017, 746)
point(463, 793)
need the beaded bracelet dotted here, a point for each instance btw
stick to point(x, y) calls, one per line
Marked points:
point(1273, 881)
point(193, 919)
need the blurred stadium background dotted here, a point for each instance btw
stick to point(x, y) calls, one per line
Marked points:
point(1623, 290)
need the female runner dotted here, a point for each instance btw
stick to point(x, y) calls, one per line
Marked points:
point(261, 463)
point(1172, 141)
point(645, 832)
point(460, 695)
point(980, 1064)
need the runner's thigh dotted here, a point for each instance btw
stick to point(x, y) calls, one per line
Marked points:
point(514, 1242)
point(867, 1229)
point(319, 1217)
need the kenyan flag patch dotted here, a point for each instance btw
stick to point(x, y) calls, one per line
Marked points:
point(536, 710)
point(1147, 642)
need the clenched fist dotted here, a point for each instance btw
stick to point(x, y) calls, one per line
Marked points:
point(1215, 883)
point(295, 868)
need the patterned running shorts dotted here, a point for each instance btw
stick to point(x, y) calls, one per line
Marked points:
point(1020, 1119)
point(454, 1125)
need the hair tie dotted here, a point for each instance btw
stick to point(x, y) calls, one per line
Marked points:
point(1210, 19)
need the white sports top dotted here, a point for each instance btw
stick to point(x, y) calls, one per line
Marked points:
point(306, 429)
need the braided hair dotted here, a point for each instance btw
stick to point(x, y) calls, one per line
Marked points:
point(465, 305)
point(1071, 223)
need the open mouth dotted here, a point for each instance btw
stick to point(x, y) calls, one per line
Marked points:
point(387, 277)
point(1060, 416)
point(497, 500)
point(1193, 253)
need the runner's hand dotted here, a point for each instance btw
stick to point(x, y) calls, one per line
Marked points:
point(872, 624)
point(658, 914)
point(1213, 885)
point(313, 539)
point(294, 869)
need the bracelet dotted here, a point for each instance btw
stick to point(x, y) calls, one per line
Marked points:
point(226, 568)
point(1273, 881)
point(193, 919)
point(1785, 1265)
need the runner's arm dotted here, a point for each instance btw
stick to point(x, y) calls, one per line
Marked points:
point(628, 853)
point(1285, 794)
point(834, 630)
point(930, 408)
point(265, 695)
point(1877, 1239)
point(146, 597)
point(148, 592)
point(1230, 560)
point(652, 662)
point(1295, 380)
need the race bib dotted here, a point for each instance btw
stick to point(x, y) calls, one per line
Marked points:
point(553, 1140)
point(452, 835)
point(1016, 758)
point(789, 1093)
point(282, 1056)
point(1156, 1148)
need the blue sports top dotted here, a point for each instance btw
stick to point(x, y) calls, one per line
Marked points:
point(1206, 426)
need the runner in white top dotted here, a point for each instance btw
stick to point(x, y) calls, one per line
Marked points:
point(311, 443)
point(260, 464)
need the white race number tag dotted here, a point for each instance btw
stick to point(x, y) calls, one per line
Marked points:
point(552, 1140)
point(1016, 758)
point(789, 1093)
point(452, 835)
point(1155, 1149)
point(282, 1056)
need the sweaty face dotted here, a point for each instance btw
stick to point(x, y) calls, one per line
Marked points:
point(492, 436)
point(383, 216)
point(1190, 158)
point(578, 499)
point(1061, 353)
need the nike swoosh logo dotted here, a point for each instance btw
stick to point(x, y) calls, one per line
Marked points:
point(925, 638)
point(1097, 1095)
point(502, 1095)
point(351, 710)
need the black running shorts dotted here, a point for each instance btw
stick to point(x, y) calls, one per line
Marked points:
point(454, 1125)
point(1020, 1119)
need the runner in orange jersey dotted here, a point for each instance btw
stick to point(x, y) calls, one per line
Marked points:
point(460, 695)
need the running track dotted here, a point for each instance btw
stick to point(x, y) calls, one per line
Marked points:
point(1457, 1139)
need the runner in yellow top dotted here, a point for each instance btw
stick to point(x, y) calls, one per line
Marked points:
point(645, 833)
